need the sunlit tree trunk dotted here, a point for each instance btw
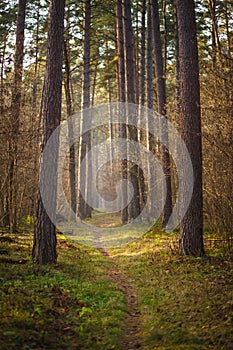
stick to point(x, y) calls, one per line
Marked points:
point(69, 109)
point(142, 133)
point(215, 35)
point(133, 171)
point(84, 209)
point(177, 66)
point(36, 122)
point(15, 115)
point(228, 29)
point(161, 100)
point(44, 248)
point(4, 193)
point(151, 143)
point(149, 63)
point(121, 98)
point(191, 227)
point(111, 128)
point(143, 54)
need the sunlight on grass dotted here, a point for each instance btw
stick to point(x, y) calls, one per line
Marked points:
point(67, 306)
point(184, 303)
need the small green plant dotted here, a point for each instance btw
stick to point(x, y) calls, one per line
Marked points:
point(28, 220)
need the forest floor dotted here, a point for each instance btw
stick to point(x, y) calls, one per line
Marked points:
point(139, 296)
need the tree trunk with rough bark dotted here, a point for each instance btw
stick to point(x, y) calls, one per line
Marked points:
point(84, 210)
point(161, 100)
point(191, 227)
point(44, 248)
point(69, 109)
point(121, 98)
point(15, 116)
point(133, 171)
point(143, 54)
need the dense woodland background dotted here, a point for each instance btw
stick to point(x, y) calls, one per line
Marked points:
point(162, 291)
point(91, 75)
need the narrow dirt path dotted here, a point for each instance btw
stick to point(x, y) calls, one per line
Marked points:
point(132, 339)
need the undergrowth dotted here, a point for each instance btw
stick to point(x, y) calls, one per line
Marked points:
point(184, 303)
point(71, 305)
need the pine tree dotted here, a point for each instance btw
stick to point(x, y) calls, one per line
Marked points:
point(44, 248)
point(191, 227)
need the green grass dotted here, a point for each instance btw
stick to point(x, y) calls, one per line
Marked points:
point(72, 305)
point(184, 303)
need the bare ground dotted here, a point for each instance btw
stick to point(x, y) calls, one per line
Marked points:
point(131, 339)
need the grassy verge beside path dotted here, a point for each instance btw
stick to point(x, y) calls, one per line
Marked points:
point(72, 305)
point(183, 303)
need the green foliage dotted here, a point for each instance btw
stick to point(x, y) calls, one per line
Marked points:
point(28, 220)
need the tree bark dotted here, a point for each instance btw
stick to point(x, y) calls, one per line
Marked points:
point(44, 248)
point(15, 114)
point(122, 98)
point(133, 171)
point(84, 209)
point(161, 99)
point(69, 109)
point(191, 227)
point(143, 54)
point(149, 103)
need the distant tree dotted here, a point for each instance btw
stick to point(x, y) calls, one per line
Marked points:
point(143, 54)
point(70, 111)
point(131, 97)
point(84, 209)
point(191, 227)
point(161, 100)
point(15, 115)
point(121, 95)
point(44, 248)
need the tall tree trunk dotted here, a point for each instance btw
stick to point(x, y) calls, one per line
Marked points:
point(149, 64)
point(4, 39)
point(212, 10)
point(111, 129)
point(143, 54)
point(165, 36)
point(69, 109)
point(84, 209)
point(121, 98)
point(142, 134)
point(177, 66)
point(133, 171)
point(161, 99)
point(44, 248)
point(15, 114)
point(228, 31)
point(5, 215)
point(191, 227)
point(215, 35)
point(149, 103)
point(35, 122)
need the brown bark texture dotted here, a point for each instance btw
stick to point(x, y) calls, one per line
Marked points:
point(44, 248)
point(15, 116)
point(161, 100)
point(84, 210)
point(191, 227)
